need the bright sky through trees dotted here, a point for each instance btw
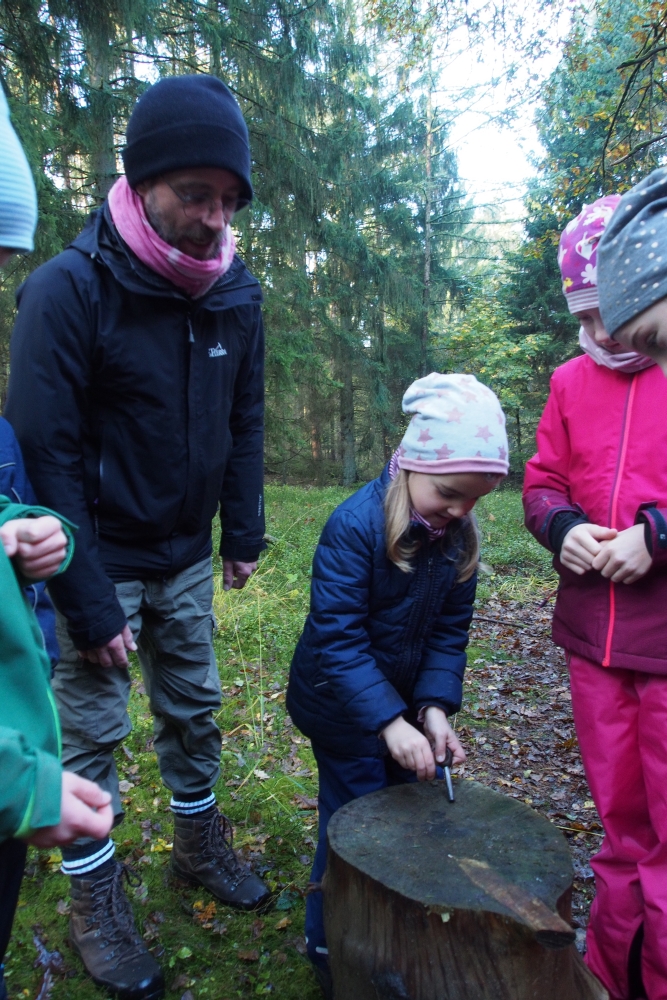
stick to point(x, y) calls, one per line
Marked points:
point(490, 89)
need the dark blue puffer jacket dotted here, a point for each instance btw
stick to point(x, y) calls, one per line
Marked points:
point(14, 483)
point(378, 642)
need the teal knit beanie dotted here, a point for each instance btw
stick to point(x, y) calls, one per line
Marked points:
point(18, 200)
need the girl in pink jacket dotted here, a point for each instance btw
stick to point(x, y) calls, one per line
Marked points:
point(595, 494)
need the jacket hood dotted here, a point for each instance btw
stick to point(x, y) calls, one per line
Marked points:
point(100, 240)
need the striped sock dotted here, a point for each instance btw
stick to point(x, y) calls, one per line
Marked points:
point(191, 808)
point(83, 860)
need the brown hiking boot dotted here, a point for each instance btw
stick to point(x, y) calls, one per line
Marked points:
point(103, 934)
point(203, 854)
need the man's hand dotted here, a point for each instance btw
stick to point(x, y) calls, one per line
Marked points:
point(624, 559)
point(409, 748)
point(441, 735)
point(38, 544)
point(85, 811)
point(112, 653)
point(235, 574)
point(581, 545)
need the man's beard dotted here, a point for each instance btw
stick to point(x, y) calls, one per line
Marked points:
point(197, 232)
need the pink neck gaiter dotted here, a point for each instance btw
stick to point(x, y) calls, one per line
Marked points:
point(628, 362)
point(195, 277)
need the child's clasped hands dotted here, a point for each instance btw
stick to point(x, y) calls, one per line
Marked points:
point(620, 556)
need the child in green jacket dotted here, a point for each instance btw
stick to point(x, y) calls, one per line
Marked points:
point(39, 803)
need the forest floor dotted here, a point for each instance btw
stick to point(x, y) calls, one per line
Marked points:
point(516, 725)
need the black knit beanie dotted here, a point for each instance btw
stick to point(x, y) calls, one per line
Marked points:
point(187, 121)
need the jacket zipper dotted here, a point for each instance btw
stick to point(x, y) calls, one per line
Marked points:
point(427, 597)
point(614, 510)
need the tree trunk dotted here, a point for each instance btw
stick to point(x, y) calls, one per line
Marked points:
point(426, 303)
point(430, 900)
point(347, 427)
point(99, 56)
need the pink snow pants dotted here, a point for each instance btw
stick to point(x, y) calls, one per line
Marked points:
point(621, 722)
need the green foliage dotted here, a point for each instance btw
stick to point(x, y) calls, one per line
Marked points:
point(488, 342)
point(337, 233)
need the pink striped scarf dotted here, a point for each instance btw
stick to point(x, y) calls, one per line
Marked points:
point(416, 518)
point(195, 277)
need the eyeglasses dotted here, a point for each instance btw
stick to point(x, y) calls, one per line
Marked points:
point(197, 206)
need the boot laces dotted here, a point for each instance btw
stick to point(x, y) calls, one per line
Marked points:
point(219, 847)
point(113, 913)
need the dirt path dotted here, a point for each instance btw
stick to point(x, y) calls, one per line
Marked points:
point(519, 731)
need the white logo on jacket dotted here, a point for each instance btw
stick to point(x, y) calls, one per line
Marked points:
point(216, 352)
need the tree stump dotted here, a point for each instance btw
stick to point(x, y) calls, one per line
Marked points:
point(430, 900)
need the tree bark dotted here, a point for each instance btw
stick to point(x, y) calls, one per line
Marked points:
point(426, 302)
point(347, 426)
point(99, 56)
point(430, 900)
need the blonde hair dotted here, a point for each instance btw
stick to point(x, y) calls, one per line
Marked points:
point(400, 550)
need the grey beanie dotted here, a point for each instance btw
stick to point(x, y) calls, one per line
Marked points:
point(18, 201)
point(632, 254)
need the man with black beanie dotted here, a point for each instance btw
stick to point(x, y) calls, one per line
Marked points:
point(136, 393)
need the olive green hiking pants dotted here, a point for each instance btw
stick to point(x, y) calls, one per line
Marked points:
point(172, 623)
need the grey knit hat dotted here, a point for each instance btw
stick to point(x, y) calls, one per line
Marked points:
point(632, 254)
point(18, 201)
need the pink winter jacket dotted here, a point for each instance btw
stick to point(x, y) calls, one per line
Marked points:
point(602, 452)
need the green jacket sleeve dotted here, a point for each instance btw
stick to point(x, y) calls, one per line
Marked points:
point(30, 768)
point(31, 785)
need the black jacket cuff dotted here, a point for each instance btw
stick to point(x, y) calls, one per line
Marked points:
point(241, 551)
point(563, 522)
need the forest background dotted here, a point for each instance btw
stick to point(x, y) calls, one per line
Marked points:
point(376, 266)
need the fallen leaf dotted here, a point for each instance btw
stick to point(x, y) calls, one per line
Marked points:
point(262, 775)
point(62, 907)
point(282, 924)
point(249, 956)
point(180, 982)
point(125, 786)
point(184, 952)
point(161, 845)
point(303, 802)
point(257, 928)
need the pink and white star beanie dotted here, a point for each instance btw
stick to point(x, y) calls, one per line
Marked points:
point(457, 426)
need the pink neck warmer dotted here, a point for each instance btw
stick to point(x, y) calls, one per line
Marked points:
point(195, 277)
point(628, 362)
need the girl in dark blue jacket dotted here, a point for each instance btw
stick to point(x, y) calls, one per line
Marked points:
point(380, 663)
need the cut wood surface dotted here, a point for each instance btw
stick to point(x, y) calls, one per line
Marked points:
point(431, 900)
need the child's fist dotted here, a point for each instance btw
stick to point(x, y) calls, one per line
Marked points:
point(38, 544)
point(441, 735)
point(582, 544)
point(409, 748)
point(85, 811)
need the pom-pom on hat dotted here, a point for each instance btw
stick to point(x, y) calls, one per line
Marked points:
point(577, 253)
point(18, 201)
point(457, 426)
point(633, 253)
point(187, 121)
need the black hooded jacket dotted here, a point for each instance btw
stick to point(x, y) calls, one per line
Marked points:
point(138, 410)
